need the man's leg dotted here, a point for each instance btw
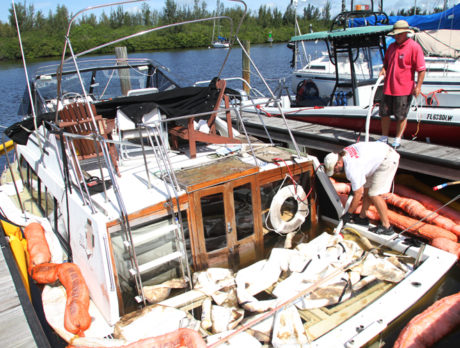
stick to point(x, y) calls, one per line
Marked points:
point(401, 109)
point(366, 203)
point(382, 209)
point(385, 122)
point(400, 127)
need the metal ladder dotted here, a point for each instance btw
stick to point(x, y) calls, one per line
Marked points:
point(160, 149)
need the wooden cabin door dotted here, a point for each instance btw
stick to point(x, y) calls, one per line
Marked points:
point(227, 224)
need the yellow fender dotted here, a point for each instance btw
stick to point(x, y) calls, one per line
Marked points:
point(6, 146)
point(19, 248)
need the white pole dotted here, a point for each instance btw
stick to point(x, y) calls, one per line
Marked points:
point(371, 103)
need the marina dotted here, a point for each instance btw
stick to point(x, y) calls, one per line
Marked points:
point(139, 211)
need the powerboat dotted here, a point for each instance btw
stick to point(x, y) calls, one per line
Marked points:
point(149, 218)
point(435, 33)
point(343, 90)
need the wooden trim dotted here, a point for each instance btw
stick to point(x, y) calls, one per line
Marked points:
point(227, 256)
point(155, 211)
point(280, 172)
point(222, 180)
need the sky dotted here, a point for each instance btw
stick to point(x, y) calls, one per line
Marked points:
point(76, 5)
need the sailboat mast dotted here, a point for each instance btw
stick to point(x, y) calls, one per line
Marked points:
point(213, 29)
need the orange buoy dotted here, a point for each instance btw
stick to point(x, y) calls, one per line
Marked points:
point(432, 324)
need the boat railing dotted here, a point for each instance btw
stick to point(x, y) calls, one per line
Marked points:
point(160, 151)
point(252, 90)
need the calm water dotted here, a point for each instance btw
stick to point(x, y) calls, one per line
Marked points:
point(188, 66)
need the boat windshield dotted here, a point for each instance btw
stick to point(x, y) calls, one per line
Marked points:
point(102, 79)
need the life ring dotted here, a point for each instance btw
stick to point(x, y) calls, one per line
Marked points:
point(290, 191)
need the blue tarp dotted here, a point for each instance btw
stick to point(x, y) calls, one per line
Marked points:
point(449, 19)
point(221, 38)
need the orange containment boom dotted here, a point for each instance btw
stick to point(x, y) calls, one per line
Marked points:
point(432, 324)
point(76, 316)
point(37, 246)
point(180, 338)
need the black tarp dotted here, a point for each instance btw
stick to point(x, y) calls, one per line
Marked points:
point(173, 103)
point(19, 132)
point(176, 102)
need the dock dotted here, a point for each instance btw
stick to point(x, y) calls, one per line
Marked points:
point(19, 324)
point(416, 156)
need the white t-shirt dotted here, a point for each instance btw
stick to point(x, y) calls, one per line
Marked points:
point(362, 160)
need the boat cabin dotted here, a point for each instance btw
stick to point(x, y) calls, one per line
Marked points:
point(159, 199)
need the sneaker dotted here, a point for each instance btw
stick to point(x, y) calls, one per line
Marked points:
point(395, 145)
point(356, 219)
point(383, 139)
point(380, 229)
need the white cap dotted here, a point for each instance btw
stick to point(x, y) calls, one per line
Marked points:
point(329, 162)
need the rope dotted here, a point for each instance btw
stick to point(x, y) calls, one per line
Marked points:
point(433, 95)
point(429, 102)
point(276, 160)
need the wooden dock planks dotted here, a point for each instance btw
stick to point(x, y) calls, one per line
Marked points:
point(419, 157)
point(14, 328)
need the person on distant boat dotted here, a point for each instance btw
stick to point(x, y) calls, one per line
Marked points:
point(370, 167)
point(402, 59)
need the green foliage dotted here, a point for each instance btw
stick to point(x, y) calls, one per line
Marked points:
point(43, 36)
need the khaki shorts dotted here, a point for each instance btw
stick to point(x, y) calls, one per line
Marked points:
point(380, 182)
point(395, 105)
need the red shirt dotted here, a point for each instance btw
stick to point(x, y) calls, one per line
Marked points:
point(401, 62)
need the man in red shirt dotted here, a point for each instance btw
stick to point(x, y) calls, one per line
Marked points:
point(403, 58)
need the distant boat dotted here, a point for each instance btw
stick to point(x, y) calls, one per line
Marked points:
point(221, 41)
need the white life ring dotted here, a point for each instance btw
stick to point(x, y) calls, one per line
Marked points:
point(290, 191)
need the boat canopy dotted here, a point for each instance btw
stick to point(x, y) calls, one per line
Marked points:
point(448, 19)
point(344, 33)
point(439, 43)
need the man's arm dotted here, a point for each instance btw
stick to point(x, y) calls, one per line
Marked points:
point(382, 72)
point(418, 87)
point(358, 194)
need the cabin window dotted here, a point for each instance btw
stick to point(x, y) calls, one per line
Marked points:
point(317, 67)
point(242, 196)
point(214, 225)
point(43, 200)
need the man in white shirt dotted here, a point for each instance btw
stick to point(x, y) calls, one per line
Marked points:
point(370, 167)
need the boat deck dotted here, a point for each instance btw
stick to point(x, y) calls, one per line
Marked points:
point(420, 157)
point(19, 325)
